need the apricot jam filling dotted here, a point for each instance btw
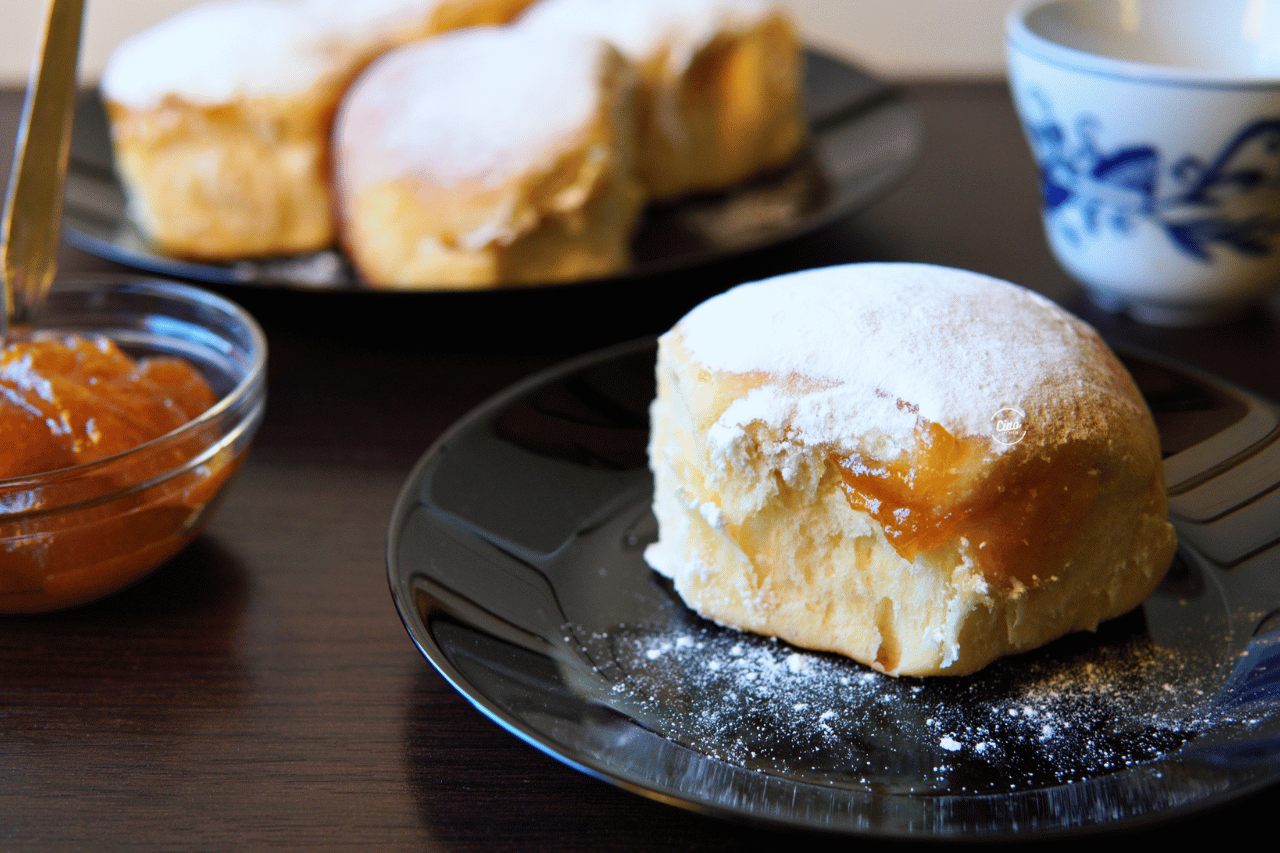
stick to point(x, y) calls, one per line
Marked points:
point(76, 400)
point(1021, 520)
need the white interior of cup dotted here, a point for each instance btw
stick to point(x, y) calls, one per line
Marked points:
point(1225, 39)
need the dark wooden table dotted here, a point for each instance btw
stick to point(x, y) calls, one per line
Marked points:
point(259, 691)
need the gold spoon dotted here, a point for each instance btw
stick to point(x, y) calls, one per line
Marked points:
point(33, 208)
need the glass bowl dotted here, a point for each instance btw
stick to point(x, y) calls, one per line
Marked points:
point(77, 534)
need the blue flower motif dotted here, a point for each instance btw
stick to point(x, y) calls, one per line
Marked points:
point(1233, 200)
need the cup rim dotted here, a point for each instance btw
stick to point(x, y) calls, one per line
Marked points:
point(243, 389)
point(1020, 37)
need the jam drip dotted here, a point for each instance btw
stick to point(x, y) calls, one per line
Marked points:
point(1020, 518)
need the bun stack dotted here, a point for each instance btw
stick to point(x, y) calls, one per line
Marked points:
point(455, 165)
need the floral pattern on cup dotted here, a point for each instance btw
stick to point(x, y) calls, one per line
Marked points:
point(1230, 200)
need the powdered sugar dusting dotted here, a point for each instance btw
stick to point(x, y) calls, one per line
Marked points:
point(451, 108)
point(849, 344)
point(217, 52)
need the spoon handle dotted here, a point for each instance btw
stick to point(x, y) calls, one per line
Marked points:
point(33, 207)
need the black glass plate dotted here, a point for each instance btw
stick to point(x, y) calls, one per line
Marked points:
point(515, 559)
point(865, 137)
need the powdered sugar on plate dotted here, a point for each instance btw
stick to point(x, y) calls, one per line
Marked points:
point(1084, 706)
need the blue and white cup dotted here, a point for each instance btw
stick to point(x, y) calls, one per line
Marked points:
point(1156, 127)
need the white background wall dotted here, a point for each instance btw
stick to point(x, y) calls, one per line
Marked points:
point(899, 39)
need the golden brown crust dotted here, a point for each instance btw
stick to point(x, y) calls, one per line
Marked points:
point(736, 111)
point(229, 181)
point(455, 14)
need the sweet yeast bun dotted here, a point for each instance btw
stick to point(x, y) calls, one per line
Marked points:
point(484, 157)
point(918, 467)
point(221, 115)
point(721, 83)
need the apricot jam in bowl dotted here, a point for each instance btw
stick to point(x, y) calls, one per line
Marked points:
point(125, 409)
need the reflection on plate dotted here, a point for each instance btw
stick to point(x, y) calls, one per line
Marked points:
point(515, 561)
point(865, 138)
